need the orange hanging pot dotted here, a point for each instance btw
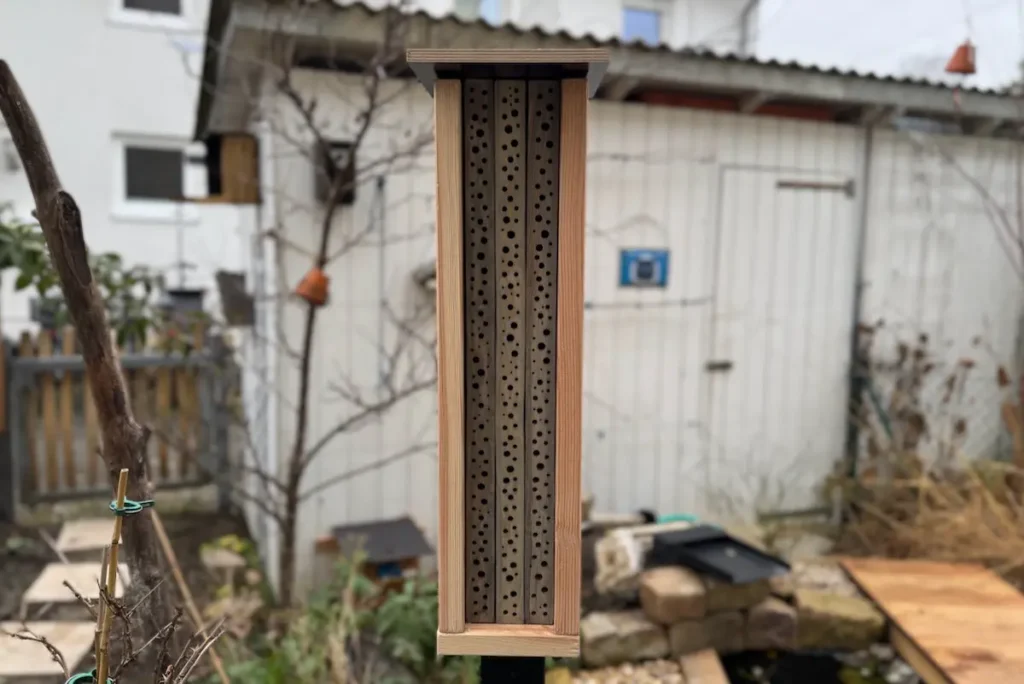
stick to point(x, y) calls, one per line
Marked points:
point(962, 61)
point(313, 287)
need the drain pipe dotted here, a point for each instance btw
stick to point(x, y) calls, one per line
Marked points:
point(857, 377)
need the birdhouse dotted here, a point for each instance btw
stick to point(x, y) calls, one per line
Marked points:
point(962, 61)
point(511, 142)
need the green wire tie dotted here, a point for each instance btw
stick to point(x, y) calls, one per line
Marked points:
point(86, 678)
point(130, 508)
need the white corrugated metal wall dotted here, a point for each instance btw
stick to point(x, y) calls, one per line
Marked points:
point(762, 275)
point(941, 262)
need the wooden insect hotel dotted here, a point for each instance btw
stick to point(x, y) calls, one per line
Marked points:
point(511, 145)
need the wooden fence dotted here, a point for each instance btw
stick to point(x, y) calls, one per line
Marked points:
point(53, 426)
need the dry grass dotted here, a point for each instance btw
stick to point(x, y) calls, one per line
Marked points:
point(971, 515)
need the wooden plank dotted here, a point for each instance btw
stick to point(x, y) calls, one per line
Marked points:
point(162, 421)
point(185, 380)
point(92, 434)
point(703, 667)
point(506, 56)
point(569, 356)
point(451, 464)
point(480, 308)
point(527, 641)
point(142, 402)
point(954, 623)
point(26, 350)
point(510, 181)
point(49, 398)
point(925, 668)
point(543, 111)
point(67, 412)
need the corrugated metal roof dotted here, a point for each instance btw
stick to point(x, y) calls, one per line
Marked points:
point(699, 52)
point(220, 10)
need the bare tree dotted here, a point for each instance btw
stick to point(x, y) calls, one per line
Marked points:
point(407, 363)
point(124, 439)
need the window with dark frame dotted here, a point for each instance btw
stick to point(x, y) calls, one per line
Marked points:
point(160, 6)
point(154, 173)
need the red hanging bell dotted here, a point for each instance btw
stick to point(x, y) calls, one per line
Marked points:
point(962, 61)
point(313, 287)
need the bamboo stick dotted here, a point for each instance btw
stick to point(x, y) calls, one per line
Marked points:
point(186, 593)
point(107, 615)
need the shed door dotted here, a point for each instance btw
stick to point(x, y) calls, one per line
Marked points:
point(780, 339)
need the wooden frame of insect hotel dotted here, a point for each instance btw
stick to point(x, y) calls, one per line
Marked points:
point(511, 145)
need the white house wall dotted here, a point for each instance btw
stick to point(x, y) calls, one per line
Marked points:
point(762, 275)
point(97, 77)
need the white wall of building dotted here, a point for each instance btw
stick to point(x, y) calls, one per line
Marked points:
point(762, 274)
point(99, 77)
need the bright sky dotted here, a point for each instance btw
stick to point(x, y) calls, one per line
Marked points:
point(904, 37)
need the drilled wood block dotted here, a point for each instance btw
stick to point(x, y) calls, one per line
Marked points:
point(541, 279)
point(510, 140)
point(478, 199)
point(511, 169)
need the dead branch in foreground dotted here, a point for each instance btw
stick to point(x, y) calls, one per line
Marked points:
point(124, 439)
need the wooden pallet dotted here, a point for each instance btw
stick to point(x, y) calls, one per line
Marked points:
point(953, 623)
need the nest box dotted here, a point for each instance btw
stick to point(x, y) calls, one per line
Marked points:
point(511, 145)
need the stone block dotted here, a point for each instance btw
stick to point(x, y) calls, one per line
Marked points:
point(722, 632)
point(669, 595)
point(723, 597)
point(829, 621)
point(725, 631)
point(771, 625)
point(642, 639)
point(623, 636)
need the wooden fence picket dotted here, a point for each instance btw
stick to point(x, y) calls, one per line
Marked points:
point(67, 412)
point(27, 349)
point(58, 404)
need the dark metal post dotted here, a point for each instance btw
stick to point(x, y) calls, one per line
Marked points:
point(511, 670)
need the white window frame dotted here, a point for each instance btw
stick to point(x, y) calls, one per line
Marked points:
point(150, 211)
point(121, 16)
point(665, 10)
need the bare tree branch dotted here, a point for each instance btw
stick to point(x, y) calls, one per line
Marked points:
point(362, 470)
point(28, 635)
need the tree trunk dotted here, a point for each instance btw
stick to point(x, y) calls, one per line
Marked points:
point(124, 440)
point(297, 462)
point(286, 562)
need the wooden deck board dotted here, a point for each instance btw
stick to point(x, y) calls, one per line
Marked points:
point(955, 623)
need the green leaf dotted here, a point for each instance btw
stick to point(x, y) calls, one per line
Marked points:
point(23, 281)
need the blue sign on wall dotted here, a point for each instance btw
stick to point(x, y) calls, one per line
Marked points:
point(643, 268)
